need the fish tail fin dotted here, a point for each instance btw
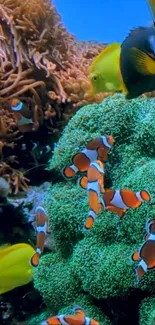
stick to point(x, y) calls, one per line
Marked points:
point(34, 261)
point(135, 256)
point(53, 321)
point(68, 172)
point(145, 195)
point(82, 182)
point(79, 311)
point(90, 220)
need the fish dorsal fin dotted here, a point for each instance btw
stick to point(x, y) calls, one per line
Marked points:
point(104, 52)
point(133, 31)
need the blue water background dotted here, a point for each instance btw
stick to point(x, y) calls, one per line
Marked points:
point(103, 20)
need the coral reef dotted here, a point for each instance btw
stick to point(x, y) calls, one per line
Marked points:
point(97, 263)
point(43, 66)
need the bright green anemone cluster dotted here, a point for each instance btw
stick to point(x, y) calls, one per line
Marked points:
point(98, 262)
point(147, 311)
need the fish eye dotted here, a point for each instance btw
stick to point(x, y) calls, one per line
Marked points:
point(94, 78)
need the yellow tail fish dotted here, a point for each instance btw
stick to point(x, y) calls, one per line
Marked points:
point(128, 68)
point(15, 269)
point(104, 72)
point(152, 8)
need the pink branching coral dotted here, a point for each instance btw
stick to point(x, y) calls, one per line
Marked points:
point(42, 65)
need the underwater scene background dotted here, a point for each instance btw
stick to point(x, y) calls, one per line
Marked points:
point(77, 173)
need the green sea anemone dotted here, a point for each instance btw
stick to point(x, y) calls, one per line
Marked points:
point(147, 311)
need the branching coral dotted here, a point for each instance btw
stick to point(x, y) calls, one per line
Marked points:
point(33, 38)
point(16, 179)
point(43, 66)
point(8, 138)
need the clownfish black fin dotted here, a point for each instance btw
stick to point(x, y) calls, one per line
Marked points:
point(143, 63)
point(79, 311)
point(34, 261)
point(135, 256)
point(82, 182)
point(68, 173)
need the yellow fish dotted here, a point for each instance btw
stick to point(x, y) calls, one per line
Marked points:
point(15, 269)
point(104, 71)
point(152, 8)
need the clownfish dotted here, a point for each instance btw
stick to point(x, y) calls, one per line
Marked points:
point(96, 149)
point(94, 183)
point(119, 201)
point(146, 253)
point(78, 319)
point(18, 107)
point(149, 227)
point(42, 228)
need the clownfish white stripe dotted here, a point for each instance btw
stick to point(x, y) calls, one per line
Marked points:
point(147, 226)
point(61, 319)
point(74, 168)
point(143, 265)
point(93, 186)
point(92, 214)
point(90, 154)
point(25, 121)
point(105, 142)
point(118, 202)
point(139, 196)
point(40, 208)
point(102, 202)
point(97, 167)
point(42, 228)
point(151, 237)
point(87, 321)
point(18, 107)
point(38, 251)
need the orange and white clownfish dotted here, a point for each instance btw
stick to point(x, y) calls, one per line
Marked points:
point(94, 183)
point(146, 253)
point(149, 227)
point(18, 107)
point(25, 115)
point(119, 201)
point(96, 149)
point(78, 319)
point(42, 228)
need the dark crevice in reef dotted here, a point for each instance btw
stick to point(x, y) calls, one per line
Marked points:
point(20, 303)
point(123, 310)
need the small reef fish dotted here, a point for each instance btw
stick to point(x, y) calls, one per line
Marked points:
point(137, 62)
point(119, 201)
point(78, 319)
point(24, 115)
point(146, 253)
point(104, 71)
point(15, 269)
point(42, 228)
point(150, 226)
point(94, 183)
point(97, 148)
point(128, 68)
